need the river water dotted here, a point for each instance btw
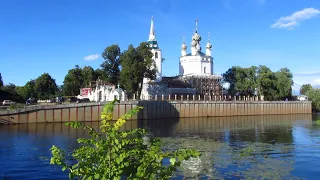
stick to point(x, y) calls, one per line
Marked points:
point(284, 147)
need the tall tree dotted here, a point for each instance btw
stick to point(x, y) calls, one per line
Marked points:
point(1, 81)
point(242, 81)
point(100, 74)
point(73, 81)
point(111, 65)
point(136, 64)
point(284, 83)
point(88, 75)
point(45, 86)
point(267, 83)
point(230, 77)
point(305, 88)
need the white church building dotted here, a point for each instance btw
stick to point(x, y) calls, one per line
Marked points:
point(195, 70)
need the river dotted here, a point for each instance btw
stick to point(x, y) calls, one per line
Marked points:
point(285, 146)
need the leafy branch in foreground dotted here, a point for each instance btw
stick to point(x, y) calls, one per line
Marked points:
point(111, 154)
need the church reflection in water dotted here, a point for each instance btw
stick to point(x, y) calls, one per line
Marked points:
point(227, 129)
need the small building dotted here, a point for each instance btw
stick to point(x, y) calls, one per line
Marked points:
point(100, 91)
point(302, 98)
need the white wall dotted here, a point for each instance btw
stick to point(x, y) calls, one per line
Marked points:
point(195, 65)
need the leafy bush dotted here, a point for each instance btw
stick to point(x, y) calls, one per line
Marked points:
point(111, 154)
point(314, 96)
point(15, 106)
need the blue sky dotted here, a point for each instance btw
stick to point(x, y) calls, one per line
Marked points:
point(39, 36)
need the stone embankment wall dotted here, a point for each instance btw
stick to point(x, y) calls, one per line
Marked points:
point(154, 110)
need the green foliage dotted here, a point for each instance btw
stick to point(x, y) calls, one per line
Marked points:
point(259, 81)
point(10, 92)
point(112, 154)
point(28, 90)
point(73, 81)
point(15, 106)
point(242, 81)
point(88, 75)
point(111, 65)
point(314, 96)
point(305, 88)
point(45, 86)
point(136, 64)
point(100, 74)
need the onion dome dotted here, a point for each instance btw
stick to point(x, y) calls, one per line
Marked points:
point(184, 46)
point(193, 43)
point(208, 46)
point(196, 37)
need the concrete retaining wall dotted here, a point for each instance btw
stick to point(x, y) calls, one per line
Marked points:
point(155, 110)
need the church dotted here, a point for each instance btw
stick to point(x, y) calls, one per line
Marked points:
point(196, 75)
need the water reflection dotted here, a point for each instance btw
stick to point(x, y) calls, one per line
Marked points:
point(259, 147)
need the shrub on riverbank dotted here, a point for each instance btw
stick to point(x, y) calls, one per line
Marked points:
point(111, 154)
point(314, 96)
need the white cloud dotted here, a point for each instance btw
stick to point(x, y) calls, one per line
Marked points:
point(91, 57)
point(312, 73)
point(316, 82)
point(295, 18)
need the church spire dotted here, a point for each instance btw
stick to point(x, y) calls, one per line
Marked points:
point(152, 35)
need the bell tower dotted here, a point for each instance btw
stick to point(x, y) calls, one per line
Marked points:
point(157, 53)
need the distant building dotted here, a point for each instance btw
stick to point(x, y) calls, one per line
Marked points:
point(302, 98)
point(195, 71)
point(102, 91)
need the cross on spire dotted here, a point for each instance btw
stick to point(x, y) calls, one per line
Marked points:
point(196, 24)
point(208, 36)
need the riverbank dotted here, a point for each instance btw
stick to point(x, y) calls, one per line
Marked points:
point(153, 110)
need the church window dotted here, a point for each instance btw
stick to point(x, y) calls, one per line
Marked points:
point(156, 55)
point(204, 70)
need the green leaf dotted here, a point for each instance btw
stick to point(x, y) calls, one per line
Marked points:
point(172, 161)
point(97, 176)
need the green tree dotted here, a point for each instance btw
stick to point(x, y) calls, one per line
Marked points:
point(112, 154)
point(305, 88)
point(314, 96)
point(111, 65)
point(242, 81)
point(100, 74)
point(284, 83)
point(267, 83)
point(28, 90)
point(1, 81)
point(45, 86)
point(73, 81)
point(10, 87)
point(136, 64)
point(88, 75)
point(10, 92)
point(259, 81)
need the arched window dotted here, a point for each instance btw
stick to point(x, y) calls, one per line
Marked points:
point(204, 70)
point(156, 55)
